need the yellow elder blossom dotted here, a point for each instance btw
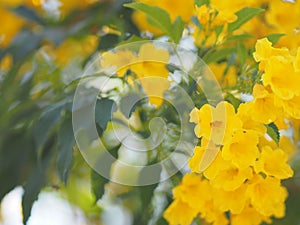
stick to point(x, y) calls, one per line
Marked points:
point(263, 107)
point(244, 178)
point(11, 25)
point(149, 65)
point(267, 196)
point(275, 62)
point(273, 163)
point(215, 123)
point(70, 48)
point(226, 77)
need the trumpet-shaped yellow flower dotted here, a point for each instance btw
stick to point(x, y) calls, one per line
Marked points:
point(242, 149)
point(10, 26)
point(273, 163)
point(149, 65)
point(264, 50)
point(231, 178)
point(284, 86)
point(233, 201)
point(249, 216)
point(245, 113)
point(180, 212)
point(216, 123)
point(267, 196)
point(263, 108)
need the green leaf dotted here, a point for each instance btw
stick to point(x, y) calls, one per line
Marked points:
point(244, 15)
point(45, 125)
point(103, 112)
point(242, 53)
point(108, 41)
point(177, 28)
point(233, 100)
point(98, 184)
point(218, 55)
point(273, 132)
point(29, 14)
point(274, 38)
point(129, 103)
point(147, 192)
point(156, 16)
point(202, 2)
point(65, 143)
point(218, 30)
point(160, 18)
point(239, 37)
point(34, 185)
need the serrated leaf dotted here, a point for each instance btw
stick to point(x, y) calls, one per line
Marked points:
point(274, 38)
point(273, 132)
point(244, 15)
point(103, 112)
point(218, 55)
point(65, 143)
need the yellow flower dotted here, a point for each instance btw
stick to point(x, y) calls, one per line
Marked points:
point(226, 77)
point(296, 63)
point(6, 63)
point(231, 178)
point(180, 213)
point(224, 17)
point(287, 145)
point(197, 164)
point(245, 111)
point(242, 149)
point(190, 196)
point(72, 48)
point(216, 123)
point(284, 86)
point(273, 163)
point(249, 216)
point(149, 65)
point(267, 196)
point(233, 201)
point(193, 190)
point(291, 107)
point(10, 26)
point(203, 14)
point(121, 60)
point(263, 108)
point(264, 50)
point(212, 214)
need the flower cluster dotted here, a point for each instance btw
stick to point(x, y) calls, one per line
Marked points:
point(237, 170)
